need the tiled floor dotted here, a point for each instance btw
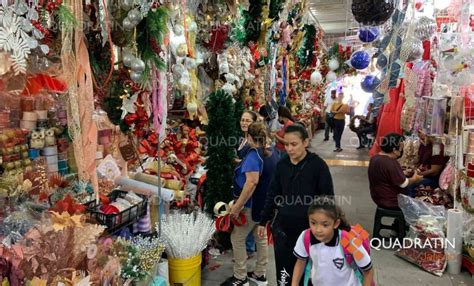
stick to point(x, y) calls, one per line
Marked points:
point(350, 180)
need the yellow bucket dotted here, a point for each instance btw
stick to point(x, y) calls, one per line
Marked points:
point(185, 272)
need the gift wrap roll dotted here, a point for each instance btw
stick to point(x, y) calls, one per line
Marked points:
point(62, 164)
point(42, 114)
point(149, 179)
point(30, 116)
point(50, 151)
point(51, 160)
point(132, 185)
point(52, 168)
point(33, 153)
point(454, 241)
point(30, 125)
point(163, 270)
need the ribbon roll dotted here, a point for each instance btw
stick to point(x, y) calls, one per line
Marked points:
point(224, 220)
point(41, 114)
point(62, 164)
point(30, 116)
point(33, 153)
point(30, 125)
point(52, 168)
point(50, 151)
point(52, 159)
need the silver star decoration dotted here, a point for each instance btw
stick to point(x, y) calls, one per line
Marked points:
point(128, 105)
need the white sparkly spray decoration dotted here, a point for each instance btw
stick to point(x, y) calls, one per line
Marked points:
point(186, 235)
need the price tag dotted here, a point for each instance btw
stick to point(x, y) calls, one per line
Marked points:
point(436, 149)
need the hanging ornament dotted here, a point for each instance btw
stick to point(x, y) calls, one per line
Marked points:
point(127, 24)
point(182, 50)
point(178, 30)
point(135, 76)
point(316, 78)
point(127, 59)
point(138, 65)
point(411, 50)
point(375, 12)
point(134, 16)
point(425, 28)
point(360, 60)
point(331, 76)
point(370, 83)
point(382, 61)
point(368, 34)
point(127, 4)
point(333, 64)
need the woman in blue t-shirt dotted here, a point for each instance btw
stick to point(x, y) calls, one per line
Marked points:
point(251, 182)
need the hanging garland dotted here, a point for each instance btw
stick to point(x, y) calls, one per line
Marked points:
point(150, 35)
point(276, 6)
point(248, 27)
point(342, 55)
point(305, 53)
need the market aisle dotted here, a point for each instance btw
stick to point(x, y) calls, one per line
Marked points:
point(351, 183)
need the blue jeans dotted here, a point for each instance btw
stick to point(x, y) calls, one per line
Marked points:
point(428, 182)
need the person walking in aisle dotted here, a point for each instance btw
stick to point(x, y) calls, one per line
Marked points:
point(300, 177)
point(251, 183)
point(339, 109)
point(328, 115)
point(248, 117)
point(328, 255)
point(285, 118)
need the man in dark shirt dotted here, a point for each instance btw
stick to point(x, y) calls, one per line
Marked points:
point(386, 177)
point(430, 164)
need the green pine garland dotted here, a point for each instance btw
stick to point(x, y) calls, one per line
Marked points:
point(239, 110)
point(305, 53)
point(248, 27)
point(152, 30)
point(276, 6)
point(220, 152)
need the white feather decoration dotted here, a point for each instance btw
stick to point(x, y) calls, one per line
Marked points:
point(186, 235)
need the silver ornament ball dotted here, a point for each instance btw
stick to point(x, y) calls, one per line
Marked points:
point(138, 65)
point(135, 76)
point(412, 50)
point(425, 28)
point(134, 16)
point(127, 24)
point(127, 4)
point(128, 59)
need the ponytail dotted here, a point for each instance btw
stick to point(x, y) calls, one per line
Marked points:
point(328, 205)
point(258, 132)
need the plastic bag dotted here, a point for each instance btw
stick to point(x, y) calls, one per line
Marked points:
point(426, 237)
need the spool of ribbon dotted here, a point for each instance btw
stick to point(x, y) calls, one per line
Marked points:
point(64, 171)
point(29, 125)
point(51, 168)
point(50, 151)
point(42, 123)
point(42, 114)
point(62, 156)
point(224, 220)
point(27, 104)
point(30, 116)
point(50, 160)
point(62, 164)
point(33, 153)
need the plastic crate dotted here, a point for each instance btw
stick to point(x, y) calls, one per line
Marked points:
point(115, 222)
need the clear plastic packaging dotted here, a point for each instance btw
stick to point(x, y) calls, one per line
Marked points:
point(427, 237)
